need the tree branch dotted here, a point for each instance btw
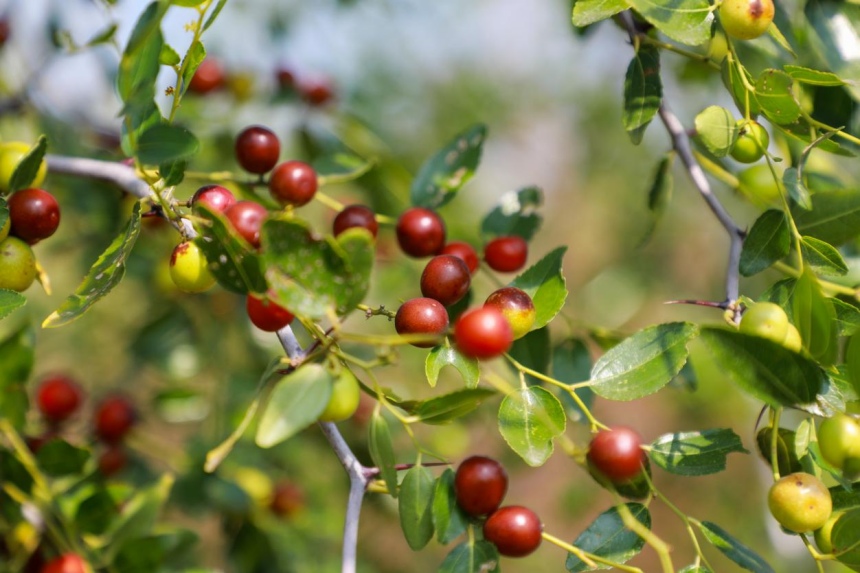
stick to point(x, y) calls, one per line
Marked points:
point(121, 175)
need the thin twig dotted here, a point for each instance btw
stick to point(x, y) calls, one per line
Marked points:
point(123, 176)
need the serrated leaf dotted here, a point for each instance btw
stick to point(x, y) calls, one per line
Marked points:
point(834, 217)
point(10, 301)
point(415, 507)
point(529, 420)
point(815, 318)
point(192, 60)
point(717, 129)
point(382, 451)
point(449, 521)
point(643, 91)
point(340, 168)
point(774, 94)
point(587, 12)
point(796, 188)
point(742, 555)
point(17, 357)
point(103, 276)
point(516, 214)
point(235, 264)
point(695, 453)
point(768, 241)
point(163, 143)
point(545, 284)
point(607, 537)
point(822, 257)
point(688, 23)
point(643, 363)
point(27, 169)
point(442, 356)
point(295, 403)
point(59, 458)
point(448, 169)
point(447, 407)
point(471, 557)
point(812, 77)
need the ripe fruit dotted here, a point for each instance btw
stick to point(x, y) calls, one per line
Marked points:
point(316, 91)
point(465, 251)
point(11, 154)
point(287, 499)
point(247, 218)
point(839, 440)
point(800, 502)
point(17, 264)
point(514, 530)
point(506, 254)
point(114, 417)
point(189, 268)
point(68, 563)
point(58, 397)
point(345, 395)
point(421, 316)
point(746, 19)
point(617, 453)
point(208, 77)
point(34, 214)
point(483, 333)
point(420, 232)
point(751, 143)
point(257, 149)
point(517, 306)
point(480, 485)
point(293, 183)
point(446, 278)
point(266, 314)
point(215, 197)
point(767, 320)
point(286, 78)
point(355, 216)
point(112, 460)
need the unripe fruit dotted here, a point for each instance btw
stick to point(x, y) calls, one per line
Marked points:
point(759, 186)
point(17, 265)
point(480, 485)
point(446, 278)
point(824, 534)
point(355, 216)
point(617, 454)
point(767, 320)
point(247, 219)
point(293, 183)
point(746, 19)
point(5, 228)
point(839, 440)
point(792, 339)
point(257, 149)
point(208, 77)
point(68, 563)
point(189, 268)
point(114, 417)
point(421, 316)
point(800, 502)
point(214, 197)
point(34, 215)
point(11, 154)
point(420, 232)
point(506, 254)
point(465, 251)
point(517, 306)
point(483, 333)
point(266, 314)
point(751, 143)
point(514, 530)
point(345, 395)
point(58, 397)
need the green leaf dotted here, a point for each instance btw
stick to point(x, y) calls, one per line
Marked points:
point(695, 453)
point(164, 142)
point(786, 451)
point(834, 217)
point(822, 257)
point(815, 318)
point(695, 569)
point(844, 539)
point(10, 301)
point(447, 407)
point(95, 514)
point(529, 420)
point(643, 91)
point(17, 356)
point(516, 214)
point(812, 77)
point(340, 168)
point(717, 129)
point(449, 169)
point(104, 36)
point(187, 3)
point(471, 557)
point(660, 193)
point(776, 98)
point(168, 56)
point(768, 241)
point(587, 12)
point(845, 499)
point(643, 363)
point(193, 58)
point(796, 188)
point(742, 555)
point(415, 506)
point(847, 317)
point(607, 537)
point(533, 351)
point(59, 458)
point(571, 363)
point(214, 14)
point(140, 513)
point(801, 130)
point(545, 283)
point(442, 356)
point(730, 72)
point(235, 264)
point(688, 22)
point(833, 32)
point(27, 169)
point(852, 361)
point(382, 451)
point(449, 520)
point(104, 275)
point(295, 403)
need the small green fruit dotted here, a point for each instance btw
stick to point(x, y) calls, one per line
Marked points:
point(839, 440)
point(800, 502)
point(767, 320)
point(17, 264)
point(11, 154)
point(189, 268)
point(345, 394)
point(823, 538)
point(746, 19)
point(758, 185)
point(792, 339)
point(751, 143)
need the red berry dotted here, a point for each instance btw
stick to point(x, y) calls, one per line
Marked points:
point(355, 216)
point(480, 485)
point(293, 183)
point(420, 232)
point(266, 315)
point(34, 215)
point(113, 460)
point(215, 197)
point(483, 333)
point(68, 563)
point(514, 530)
point(257, 149)
point(317, 91)
point(114, 418)
point(465, 251)
point(58, 397)
point(421, 316)
point(286, 78)
point(617, 453)
point(506, 254)
point(208, 77)
point(517, 306)
point(287, 499)
point(446, 278)
point(247, 218)
point(5, 30)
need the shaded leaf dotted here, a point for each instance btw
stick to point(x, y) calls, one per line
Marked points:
point(796, 188)
point(660, 193)
point(545, 284)
point(695, 453)
point(688, 22)
point(822, 257)
point(768, 241)
point(834, 217)
point(442, 356)
point(192, 60)
point(449, 520)
point(471, 557)
point(847, 317)
point(742, 555)
point(643, 91)
point(164, 142)
point(59, 458)
point(382, 451)
point(571, 363)
point(415, 507)
point(27, 169)
point(17, 357)
point(516, 214)
point(815, 318)
point(607, 537)
point(786, 452)
point(529, 420)
point(447, 407)
point(295, 403)
point(235, 264)
point(532, 351)
point(450, 168)
point(340, 168)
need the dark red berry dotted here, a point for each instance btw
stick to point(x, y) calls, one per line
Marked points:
point(514, 530)
point(247, 218)
point(483, 333)
point(58, 397)
point(421, 316)
point(112, 460)
point(5, 30)
point(34, 215)
point(286, 78)
point(420, 232)
point(215, 197)
point(68, 563)
point(506, 254)
point(480, 485)
point(617, 453)
point(287, 499)
point(465, 251)
point(114, 417)
point(266, 315)
point(316, 91)
point(257, 149)
point(446, 278)
point(355, 216)
point(293, 183)
point(208, 77)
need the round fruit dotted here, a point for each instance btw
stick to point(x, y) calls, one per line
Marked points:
point(4, 230)
point(11, 154)
point(316, 92)
point(58, 397)
point(800, 502)
point(287, 499)
point(345, 395)
point(208, 77)
point(113, 460)
point(17, 264)
point(759, 186)
point(267, 315)
point(506, 254)
point(617, 453)
point(421, 316)
point(767, 320)
point(483, 333)
point(514, 530)
point(420, 232)
point(114, 417)
point(257, 149)
point(247, 218)
point(839, 439)
point(517, 306)
point(746, 19)
point(214, 197)
point(293, 183)
point(823, 535)
point(68, 563)
point(355, 216)
point(465, 251)
point(446, 278)
point(751, 143)
point(34, 214)
point(286, 78)
point(480, 485)
point(792, 339)
point(189, 268)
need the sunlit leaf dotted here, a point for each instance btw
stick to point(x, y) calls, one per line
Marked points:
point(529, 420)
point(450, 168)
point(695, 453)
